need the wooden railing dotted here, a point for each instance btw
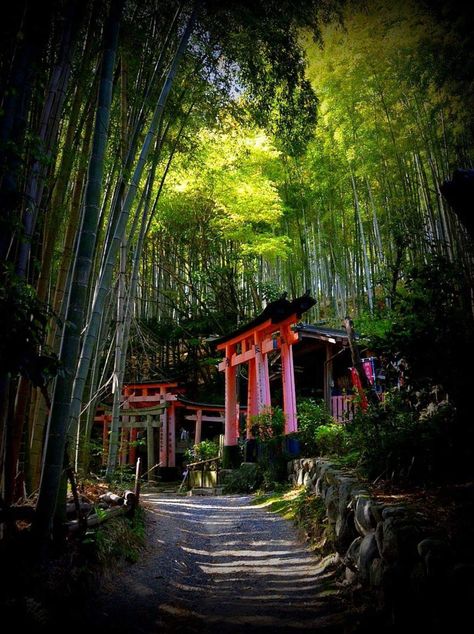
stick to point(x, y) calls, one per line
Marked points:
point(342, 407)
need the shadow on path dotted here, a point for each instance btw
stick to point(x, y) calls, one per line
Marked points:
point(219, 565)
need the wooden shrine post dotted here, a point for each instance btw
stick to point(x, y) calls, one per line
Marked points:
point(171, 435)
point(132, 455)
point(140, 396)
point(262, 377)
point(150, 442)
point(123, 450)
point(252, 401)
point(328, 376)
point(231, 449)
point(288, 380)
point(198, 433)
point(164, 440)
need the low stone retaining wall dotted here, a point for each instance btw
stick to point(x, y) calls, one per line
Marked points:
point(389, 549)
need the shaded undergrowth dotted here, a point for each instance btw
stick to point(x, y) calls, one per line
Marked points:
point(37, 594)
point(306, 510)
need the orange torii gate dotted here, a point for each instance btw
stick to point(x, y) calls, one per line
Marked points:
point(251, 343)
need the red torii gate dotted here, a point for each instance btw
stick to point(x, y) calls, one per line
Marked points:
point(251, 343)
point(142, 395)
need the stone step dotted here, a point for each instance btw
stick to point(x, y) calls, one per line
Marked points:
point(206, 491)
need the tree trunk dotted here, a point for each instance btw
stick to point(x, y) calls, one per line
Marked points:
point(117, 377)
point(103, 283)
point(57, 428)
point(357, 362)
point(48, 133)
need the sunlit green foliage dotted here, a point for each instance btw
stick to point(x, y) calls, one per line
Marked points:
point(226, 185)
point(389, 132)
point(204, 450)
point(311, 415)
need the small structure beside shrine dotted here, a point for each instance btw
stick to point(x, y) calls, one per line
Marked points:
point(322, 361)
point(251, 344)
point(158, 424)
point(323, 369)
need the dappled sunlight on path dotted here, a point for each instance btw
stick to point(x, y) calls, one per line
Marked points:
point(217, 565)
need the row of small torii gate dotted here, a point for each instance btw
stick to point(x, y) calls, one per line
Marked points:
point(156, 404)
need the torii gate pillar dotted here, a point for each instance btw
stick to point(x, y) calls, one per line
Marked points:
point(288, 381)
point(231, 434)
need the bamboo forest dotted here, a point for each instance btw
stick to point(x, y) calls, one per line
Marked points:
point(237, 315)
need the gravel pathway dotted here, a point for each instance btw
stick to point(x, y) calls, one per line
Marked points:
point(218, 564)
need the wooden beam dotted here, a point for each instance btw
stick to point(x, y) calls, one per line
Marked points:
point(245, 335)
point(152, 398)
point(138, 425)
point(206, 419)
point(267, 345)
point(140, 386)
point(277, 327)
point(275, 344)
point(159, 408)
point(243, 357)
point(206, 407)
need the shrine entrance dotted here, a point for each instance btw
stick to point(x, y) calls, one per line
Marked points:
point(251, 344)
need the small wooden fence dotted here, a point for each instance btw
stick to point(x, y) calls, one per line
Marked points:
point(204, 474)
point(343, 407)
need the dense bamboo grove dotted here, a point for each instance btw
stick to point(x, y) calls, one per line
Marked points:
point(167, 168)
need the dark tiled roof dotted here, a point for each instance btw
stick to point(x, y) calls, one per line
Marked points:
point(322, 332)
point(276, 311)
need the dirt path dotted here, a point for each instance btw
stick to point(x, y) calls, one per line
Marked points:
point(218, 564)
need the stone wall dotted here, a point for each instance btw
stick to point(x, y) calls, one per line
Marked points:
point(405, 563)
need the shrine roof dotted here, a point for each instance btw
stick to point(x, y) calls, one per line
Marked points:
point(331, 335)
point(276, 312)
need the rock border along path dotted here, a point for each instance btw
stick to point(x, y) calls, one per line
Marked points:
point(219, 564)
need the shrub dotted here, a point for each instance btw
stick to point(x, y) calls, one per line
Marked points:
point(268, 428)
point(311, 517)
point(398, 442)
point(123, 476)
point(246, 479)
point(330, 439)
point(311, 415)
point(269, 424)
point(204, 450)
point(272, 465)
point(120, 538)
